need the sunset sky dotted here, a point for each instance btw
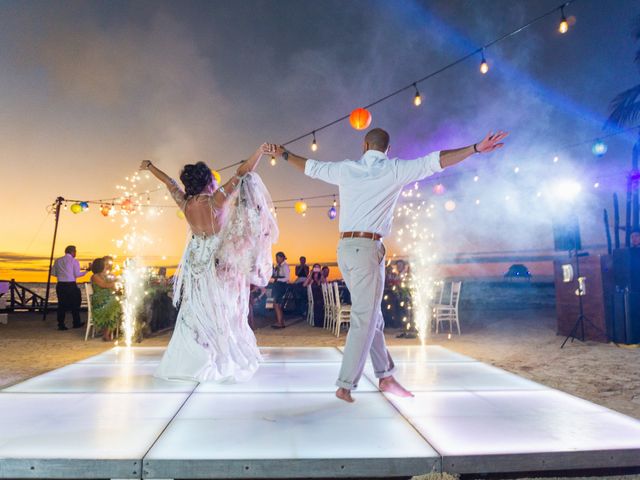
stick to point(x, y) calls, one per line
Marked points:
point(89, 89)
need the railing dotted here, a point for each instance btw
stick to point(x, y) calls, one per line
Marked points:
point(21, 298)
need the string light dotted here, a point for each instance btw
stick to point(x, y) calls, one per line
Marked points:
point(564, 25)
point(417, 99)
point(273, 161)
point(314, 145)
point(484, 66)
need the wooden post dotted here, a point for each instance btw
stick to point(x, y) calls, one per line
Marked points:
point(607, 231)
point(616, 221)
point(627, 223)
point(58, 203)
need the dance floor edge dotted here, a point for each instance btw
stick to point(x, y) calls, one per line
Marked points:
point(291, 468)
point(70, 468)
point(541, 462)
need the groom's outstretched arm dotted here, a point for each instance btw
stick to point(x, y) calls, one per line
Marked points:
point(491, 142)
point(296, 160)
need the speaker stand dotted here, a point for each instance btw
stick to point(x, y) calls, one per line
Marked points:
point(582, 319)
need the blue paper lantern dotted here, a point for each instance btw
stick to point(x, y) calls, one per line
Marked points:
point(332, 213)
point(84, 205)
point(599, 148)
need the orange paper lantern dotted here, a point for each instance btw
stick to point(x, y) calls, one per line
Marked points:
point(104, 210)
point(360, 118)
point(127, 205)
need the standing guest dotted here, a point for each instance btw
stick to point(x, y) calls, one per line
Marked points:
point(635, 239)
point(369, 190)
point(315, 282)
point(325, 274)
point(302, 270)
point(105, 307)
point(67, 269)
point(281, 274)
point(299, 292)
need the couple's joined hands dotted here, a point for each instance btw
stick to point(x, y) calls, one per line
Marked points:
point(268, 148)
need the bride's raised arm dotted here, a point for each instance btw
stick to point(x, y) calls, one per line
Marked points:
point(223, 193)
point(159, 174)
point(176, 192)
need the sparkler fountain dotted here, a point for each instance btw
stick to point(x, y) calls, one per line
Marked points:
point(416, 238)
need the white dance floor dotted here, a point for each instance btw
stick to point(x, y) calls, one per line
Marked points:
point(107, 417)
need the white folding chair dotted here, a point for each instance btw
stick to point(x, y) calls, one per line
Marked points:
point(343, 312)
point(310, 319)
point(88, 288)
point(448, 312)
point(329, 307)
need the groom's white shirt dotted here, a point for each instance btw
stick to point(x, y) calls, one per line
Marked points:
point(370, 187)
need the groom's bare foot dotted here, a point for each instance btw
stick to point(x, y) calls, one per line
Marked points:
point(344, 394)
point(391, 385)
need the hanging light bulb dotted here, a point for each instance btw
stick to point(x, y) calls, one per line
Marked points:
point(417, 100)
point(335, 203)
point(484, 66)
point(314, 145)
point(564, 25)
point(273, 161)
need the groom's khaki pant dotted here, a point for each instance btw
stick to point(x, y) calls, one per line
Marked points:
point(361, 262)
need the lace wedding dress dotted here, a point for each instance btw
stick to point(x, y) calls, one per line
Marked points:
point(212, 340)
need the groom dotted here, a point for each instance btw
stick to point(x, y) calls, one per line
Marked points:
point(369, 189)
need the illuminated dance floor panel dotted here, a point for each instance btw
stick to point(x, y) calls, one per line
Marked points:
point(108, 417)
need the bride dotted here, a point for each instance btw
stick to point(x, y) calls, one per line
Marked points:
point(229, 248)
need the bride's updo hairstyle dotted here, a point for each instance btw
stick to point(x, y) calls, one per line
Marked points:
point(195, 178)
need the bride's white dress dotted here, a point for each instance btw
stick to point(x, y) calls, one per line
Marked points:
point(212, 340)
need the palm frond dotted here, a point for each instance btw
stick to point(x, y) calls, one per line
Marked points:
point(636, 35)
point(624, 108)
point(636, 27)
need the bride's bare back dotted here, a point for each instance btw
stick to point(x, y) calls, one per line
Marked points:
point(202, 213)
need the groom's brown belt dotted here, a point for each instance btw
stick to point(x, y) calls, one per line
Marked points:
point(369, 235)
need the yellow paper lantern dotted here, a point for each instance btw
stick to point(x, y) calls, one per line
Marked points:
point(300, 206)
point(216, 176)
point(180, 214)
point(76, 208)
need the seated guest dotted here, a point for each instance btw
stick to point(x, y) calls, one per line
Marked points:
point(255, 294)
point(105, 307)
point(325, 274)
point(402, 269)
point(314, 279)
point(315, 282)
point(390, 277)
point(302, 270)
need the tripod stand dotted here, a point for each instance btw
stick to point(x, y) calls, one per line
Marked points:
point(580, 321)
